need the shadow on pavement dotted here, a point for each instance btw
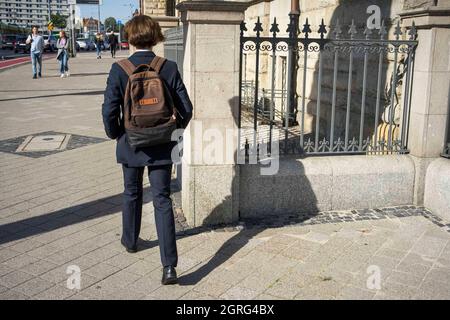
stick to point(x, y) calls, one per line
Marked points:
point(88, 74)
point(85, 93)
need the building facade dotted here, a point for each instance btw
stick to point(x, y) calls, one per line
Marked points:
point(159, 7)
point(26, 13)
point(164, 12)
point(90, 25)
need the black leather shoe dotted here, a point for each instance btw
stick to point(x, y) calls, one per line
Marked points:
point(169, 276)
point(130, 250)
point(34, 77)
point(39, 75)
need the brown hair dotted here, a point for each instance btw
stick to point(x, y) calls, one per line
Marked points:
point(63, 33)
point(143, 32)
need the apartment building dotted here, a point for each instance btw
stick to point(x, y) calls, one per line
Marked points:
point(26, 13)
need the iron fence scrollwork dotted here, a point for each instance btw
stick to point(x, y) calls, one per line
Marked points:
point(371, 117)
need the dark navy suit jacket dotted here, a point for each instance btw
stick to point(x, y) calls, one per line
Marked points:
point(112, 112)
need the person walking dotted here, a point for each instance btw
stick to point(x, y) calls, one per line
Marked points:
point(99, 43)
point(112, 44)
point(144, 33)
point(36, 51)
point(63, 54)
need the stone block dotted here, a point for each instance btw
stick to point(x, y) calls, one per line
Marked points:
point(210, 194)
point(421, 165)
point(371, 181)
point(437, 188)
point(299, 186)
point(331, 183)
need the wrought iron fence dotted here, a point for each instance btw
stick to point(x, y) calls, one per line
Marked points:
point(356, 97)
point(174, 46)
point(266, 101)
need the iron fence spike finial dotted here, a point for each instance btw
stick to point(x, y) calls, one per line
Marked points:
point(412, 31)
point(306, 28)
point(383, 31)
point(274, 28)
point(398, 31)
point(337, 30)
point(352, 30)
point(243, 27)
point(367, 32)
point(258, 27)
point(322, 29)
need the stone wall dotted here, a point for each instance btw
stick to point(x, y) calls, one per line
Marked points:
point(437, 188)
point(317, 184)
point(155, 7)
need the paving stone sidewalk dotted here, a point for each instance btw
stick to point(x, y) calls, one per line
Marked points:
point(61, 211)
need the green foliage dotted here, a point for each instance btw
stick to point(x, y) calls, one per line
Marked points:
point(8, 28)
point(59, 21)
point(111, 24)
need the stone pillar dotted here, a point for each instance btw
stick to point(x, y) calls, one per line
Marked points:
point(211, 75)
point(431, 88)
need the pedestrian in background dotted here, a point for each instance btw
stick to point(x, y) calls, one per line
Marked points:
point(113, 44)
point(63, 54)
point(36, 50)
point(98, 43)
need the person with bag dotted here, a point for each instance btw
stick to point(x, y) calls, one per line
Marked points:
point(113, 44)
point(63, 54)
point(98, 44)
point(145, 101)
point(36, 51)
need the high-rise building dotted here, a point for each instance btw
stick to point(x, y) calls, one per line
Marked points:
point(26, 13)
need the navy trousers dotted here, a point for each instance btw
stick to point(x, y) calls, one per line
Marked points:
point(159, 177)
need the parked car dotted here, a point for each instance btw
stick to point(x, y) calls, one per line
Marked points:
point(124, 45)
point(49, 43)
point(81, 44)
point(85, 44)
point(21, 46)
point(8, 41)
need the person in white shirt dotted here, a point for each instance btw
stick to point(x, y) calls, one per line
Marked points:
point(36, 50)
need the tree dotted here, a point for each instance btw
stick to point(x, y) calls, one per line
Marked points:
point(59, 21)
point(111, 24)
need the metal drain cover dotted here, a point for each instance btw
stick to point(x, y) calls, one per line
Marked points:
point(44, 143)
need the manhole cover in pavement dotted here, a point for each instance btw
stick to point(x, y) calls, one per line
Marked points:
point(46, 143)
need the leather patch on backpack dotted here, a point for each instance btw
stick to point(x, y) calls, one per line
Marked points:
point(149, 101)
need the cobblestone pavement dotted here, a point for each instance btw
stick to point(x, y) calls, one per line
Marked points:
point(63, 209)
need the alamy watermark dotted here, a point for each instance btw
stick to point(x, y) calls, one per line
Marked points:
point(74, 280)
point(374, 280)
point(212, 146)
point(374, 20)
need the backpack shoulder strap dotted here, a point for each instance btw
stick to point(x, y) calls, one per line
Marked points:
point(127, 66)
point(157, 63)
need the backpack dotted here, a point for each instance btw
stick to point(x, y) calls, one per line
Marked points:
point(149, 112)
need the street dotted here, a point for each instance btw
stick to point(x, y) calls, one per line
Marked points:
point(60, 209)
